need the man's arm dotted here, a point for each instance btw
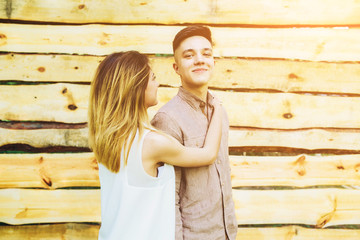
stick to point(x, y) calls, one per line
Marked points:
point(165, 123)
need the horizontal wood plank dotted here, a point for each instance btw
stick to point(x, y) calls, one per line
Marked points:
point(52, 171)
point(296, 233)
point(321, 12)
point(317, 44)
point(42, 138)
point(53, 102)
point(229, 73)
point(23, 206)
point(320, 207)
point(316, 207)
point(57, 231)
point(80, 231)
point(314, 139)
point(296, 171)
point(68, 103)
point(49, 171)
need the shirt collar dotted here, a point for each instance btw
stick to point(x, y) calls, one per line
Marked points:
point(193, 100)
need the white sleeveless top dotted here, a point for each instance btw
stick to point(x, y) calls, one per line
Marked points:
point(135, 205)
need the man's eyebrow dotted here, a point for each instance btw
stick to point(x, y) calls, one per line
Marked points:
point(193, 50)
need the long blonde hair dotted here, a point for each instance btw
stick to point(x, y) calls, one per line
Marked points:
point(117, 106)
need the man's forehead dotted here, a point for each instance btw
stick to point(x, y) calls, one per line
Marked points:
point(195, 43)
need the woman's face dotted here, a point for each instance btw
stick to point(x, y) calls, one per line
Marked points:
point(151, 91)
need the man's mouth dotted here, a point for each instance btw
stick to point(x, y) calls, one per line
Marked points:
point(199, 70)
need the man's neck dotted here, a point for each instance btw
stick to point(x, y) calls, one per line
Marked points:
point(199, 92)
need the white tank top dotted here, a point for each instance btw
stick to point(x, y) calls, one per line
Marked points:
point(135, 205)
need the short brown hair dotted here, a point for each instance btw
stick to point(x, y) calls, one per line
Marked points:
point(195, 30)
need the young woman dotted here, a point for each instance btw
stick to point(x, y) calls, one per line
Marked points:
point(135, 161)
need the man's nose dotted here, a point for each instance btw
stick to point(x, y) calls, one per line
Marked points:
point(199, 59)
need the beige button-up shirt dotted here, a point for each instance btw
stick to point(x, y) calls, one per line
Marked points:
point(204, 205)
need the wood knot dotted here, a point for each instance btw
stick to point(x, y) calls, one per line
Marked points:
point(228, 70)
point(72, 107)
point(143, 3)
point(76, 68)
point(81, 6)
point(3, 39)
point(357, 166)
point(287, 115)
point(300, 163)
point(41, 160)
point(64, 91)
point(293, 76)
point(41, 69)
point(340, 167)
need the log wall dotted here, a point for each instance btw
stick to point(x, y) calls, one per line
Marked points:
point(288, 73)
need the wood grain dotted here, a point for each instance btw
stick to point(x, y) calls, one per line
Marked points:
point(259, 12)
point(68, 103)
point(50, 171)
point(316, 207)
point(315, 44)
point(307, 140)
point(79, 231)
point(229, 73)
point(23, 206)
point(295, 171)
point(320, 208)
point(53, 171)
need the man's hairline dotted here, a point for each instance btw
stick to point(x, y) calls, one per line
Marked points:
point(211, 44)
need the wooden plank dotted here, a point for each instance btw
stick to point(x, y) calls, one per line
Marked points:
point(52, 171)
point(324, 12)
point(41, 138)
point(84, 231)
point(296, 233)
point(316, 207)
point(57, 231)
point(290, 111)
point(317, 44)
point(80, 231)
point(299, 171)
point(313, 139)
point(49, 171)
point(229, 73)
point(48, 68)
point(54, 102)
point(68, 103)
point(23, 206)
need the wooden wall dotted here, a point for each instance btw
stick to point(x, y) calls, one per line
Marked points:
point(288, 73)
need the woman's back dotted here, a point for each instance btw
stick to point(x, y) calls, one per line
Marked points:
point(135, 205)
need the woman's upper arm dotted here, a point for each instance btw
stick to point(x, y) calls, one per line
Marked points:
point(163, 148)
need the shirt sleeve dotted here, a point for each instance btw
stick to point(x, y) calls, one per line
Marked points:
point(165, 123)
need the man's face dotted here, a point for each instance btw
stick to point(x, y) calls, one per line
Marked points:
point(194, 62)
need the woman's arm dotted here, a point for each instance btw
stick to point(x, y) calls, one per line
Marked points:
point(163, 148)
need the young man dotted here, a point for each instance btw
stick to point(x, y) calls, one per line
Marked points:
point(204, 205)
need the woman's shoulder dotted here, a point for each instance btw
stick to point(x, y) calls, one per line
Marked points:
point(157, 143)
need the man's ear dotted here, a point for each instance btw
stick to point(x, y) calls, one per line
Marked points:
point(176, 68)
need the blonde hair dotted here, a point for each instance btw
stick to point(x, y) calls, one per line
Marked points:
point(117, 106)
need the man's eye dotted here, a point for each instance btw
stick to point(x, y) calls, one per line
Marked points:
point(208, 54)
point(188, 55)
